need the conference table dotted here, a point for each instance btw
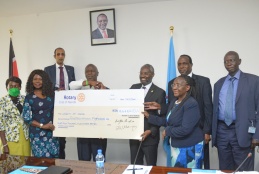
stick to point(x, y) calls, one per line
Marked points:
point(83, 167)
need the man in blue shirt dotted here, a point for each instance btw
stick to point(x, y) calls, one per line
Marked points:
point(235, 125)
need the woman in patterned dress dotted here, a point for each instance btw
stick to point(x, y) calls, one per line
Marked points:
point(38, 113)
point(14, 132)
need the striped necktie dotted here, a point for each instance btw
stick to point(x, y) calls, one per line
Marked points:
point(61, 79)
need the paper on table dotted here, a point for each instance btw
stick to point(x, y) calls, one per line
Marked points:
point(202, 171)
point(244, 172)
point(139, 169)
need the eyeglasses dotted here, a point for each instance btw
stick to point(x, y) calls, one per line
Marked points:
point(58, 54)
point(177, 85)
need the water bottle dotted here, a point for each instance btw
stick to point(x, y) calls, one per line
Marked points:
point(99, 162)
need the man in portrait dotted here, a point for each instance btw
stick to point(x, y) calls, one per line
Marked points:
point(102, 32)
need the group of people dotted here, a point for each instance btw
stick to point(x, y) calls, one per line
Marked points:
point(26, 122)
point(190, 118)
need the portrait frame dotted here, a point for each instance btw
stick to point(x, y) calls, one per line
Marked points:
point(102, 27)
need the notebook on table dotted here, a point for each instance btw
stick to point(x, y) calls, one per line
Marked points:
point(56, 170)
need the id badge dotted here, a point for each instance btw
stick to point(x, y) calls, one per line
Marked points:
point(251, 130)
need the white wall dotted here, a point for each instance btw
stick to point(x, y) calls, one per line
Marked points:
point(204, 29)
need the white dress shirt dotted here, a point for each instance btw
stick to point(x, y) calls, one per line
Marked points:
point(147, 87)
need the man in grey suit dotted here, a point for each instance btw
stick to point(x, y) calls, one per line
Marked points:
point(235, 125)
point(60, 75)
point(150, 137)
point(102, 32)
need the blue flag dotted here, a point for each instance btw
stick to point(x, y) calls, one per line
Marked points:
point(171, 69)
point(171, 74)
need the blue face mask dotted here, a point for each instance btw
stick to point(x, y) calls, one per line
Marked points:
point(14, 92)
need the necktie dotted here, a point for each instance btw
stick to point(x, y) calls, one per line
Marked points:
point(229, 102)
point(61, 78)
point(105, 34)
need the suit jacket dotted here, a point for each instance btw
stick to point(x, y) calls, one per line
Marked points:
point(96, 34)
point(246, 107)
point(204, 99)
point(154, 94)
point(51, 71)
point(182, 125)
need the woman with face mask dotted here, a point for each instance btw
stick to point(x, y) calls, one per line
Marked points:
point(14, 131)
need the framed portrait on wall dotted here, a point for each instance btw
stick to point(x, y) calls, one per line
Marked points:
point(102, 27)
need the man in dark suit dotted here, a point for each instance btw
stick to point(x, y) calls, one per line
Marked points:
point(150, 137)
point(102, 32)
point(235, 126)
point(60, 75)
point(204, 99)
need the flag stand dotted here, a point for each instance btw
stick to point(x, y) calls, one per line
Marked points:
point(171, 30)
point(11, 33)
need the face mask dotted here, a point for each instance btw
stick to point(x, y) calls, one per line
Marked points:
point(14, 92)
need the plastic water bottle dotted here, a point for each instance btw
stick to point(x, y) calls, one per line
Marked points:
point(99, 162)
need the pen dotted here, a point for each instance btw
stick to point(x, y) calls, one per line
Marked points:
point(136, 169)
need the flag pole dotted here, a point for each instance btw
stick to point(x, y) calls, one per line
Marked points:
point(13, 68)
point(10, 58)
point(171, 74)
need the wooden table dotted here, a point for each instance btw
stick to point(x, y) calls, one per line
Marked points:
point(82, 167)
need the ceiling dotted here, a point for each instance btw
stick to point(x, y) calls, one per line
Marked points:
point(9, 8)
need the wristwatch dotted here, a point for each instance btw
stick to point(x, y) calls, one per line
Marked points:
point(41, 125)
